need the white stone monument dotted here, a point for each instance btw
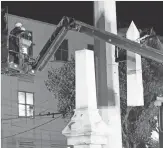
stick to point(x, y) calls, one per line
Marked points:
point(135, 95)
point(107, 75)
point(86, 128)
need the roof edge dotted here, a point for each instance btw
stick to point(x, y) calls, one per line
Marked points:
point(32, 19)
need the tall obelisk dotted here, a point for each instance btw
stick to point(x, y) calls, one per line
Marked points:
point(108, 96)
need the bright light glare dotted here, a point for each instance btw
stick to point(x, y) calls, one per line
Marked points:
point(157, 103)
point(25, 50)
point(155, 135)
point(15, 65)
point(32, 71)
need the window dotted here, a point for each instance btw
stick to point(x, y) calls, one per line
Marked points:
point(26, 104)
point(62, 52)
point(27, 144)
point(90, 47)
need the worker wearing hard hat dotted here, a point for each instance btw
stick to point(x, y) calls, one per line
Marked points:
point(18, 24)
point(14, 41)
point(18, 29)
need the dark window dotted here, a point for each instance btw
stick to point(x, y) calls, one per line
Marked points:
point(62, 52)
point(90, 47)
point(26, 104)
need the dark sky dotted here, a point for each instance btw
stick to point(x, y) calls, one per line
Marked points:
point(145, 14)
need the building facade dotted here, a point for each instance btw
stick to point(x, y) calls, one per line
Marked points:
point(22, 97)
point(28, 96)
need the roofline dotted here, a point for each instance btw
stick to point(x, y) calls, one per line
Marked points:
point(29, 19)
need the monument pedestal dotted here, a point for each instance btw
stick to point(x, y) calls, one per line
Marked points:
point(86, 129)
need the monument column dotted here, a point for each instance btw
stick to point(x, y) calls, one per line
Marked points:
point(86, 128)
point(108, 97)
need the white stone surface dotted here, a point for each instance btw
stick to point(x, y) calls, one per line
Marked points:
point(85, 79)
point(86, 128)
point(107, 73)
point(135, 95)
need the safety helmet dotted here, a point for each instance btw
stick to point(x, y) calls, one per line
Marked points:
point(18, 24)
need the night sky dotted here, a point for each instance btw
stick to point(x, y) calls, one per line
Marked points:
point(144, 14)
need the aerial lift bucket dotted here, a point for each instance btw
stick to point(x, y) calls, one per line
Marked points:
point(18, 54)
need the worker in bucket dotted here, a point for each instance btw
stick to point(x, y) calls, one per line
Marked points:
point(14, 42)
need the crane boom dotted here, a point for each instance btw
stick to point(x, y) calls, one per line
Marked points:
point(67, 24)
point(52, 44)
point(122, 42)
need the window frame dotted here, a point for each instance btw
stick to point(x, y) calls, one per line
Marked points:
point(25, 92)
point(61, 50)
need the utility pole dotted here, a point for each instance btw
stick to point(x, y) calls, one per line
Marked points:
point(161, 139)
point(161, 123)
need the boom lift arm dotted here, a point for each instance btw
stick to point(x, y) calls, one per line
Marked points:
point(67, 24)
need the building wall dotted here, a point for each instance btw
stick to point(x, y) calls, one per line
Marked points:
point(47, 134)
